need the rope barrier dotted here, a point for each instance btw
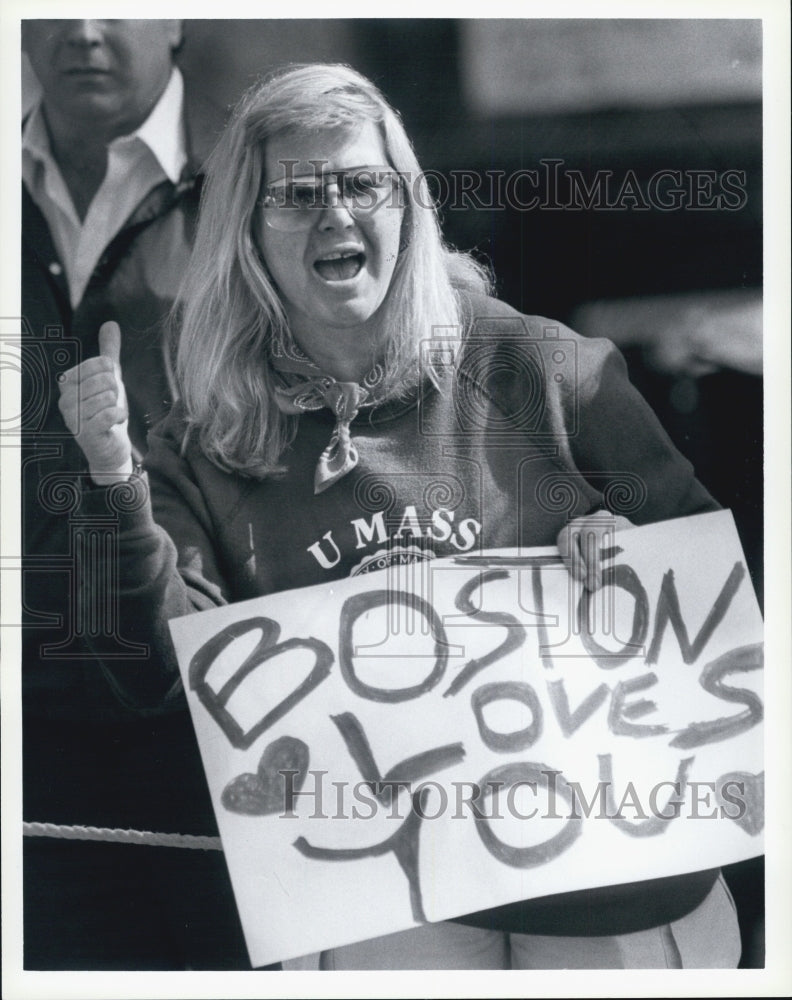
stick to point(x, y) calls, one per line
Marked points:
point(113, 836)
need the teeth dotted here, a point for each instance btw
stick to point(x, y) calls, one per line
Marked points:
point(341, 255)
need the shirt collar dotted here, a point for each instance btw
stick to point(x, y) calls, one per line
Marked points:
point(35, 139)
point(162, 132)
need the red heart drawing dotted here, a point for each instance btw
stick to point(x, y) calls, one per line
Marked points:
point(740, 795)
point(264, 793)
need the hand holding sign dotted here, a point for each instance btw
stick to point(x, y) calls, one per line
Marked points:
point(94, 407)
point(581, 543)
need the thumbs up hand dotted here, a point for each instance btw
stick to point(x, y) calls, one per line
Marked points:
point(94, 407)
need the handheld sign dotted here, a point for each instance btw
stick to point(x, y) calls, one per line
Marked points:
point(438, 738)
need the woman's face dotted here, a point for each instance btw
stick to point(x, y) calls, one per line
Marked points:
point(334, 275)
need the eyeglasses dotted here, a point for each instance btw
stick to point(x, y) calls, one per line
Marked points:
point(294, 203)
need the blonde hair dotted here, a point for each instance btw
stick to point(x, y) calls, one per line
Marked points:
point(229, 311)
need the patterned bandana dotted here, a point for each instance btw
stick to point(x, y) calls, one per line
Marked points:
point(305, 387)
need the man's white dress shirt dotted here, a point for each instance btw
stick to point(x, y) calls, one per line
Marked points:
point(135, 164)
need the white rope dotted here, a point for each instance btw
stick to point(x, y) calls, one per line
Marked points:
point(144, 837)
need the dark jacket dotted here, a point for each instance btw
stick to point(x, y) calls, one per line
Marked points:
point(85, 756)
point(134, 283)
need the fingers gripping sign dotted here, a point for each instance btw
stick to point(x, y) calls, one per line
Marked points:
point(94, 407)
point(582, 541)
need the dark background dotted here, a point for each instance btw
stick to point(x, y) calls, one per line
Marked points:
point(609, 95)
point(639, 95)
point(601, 95)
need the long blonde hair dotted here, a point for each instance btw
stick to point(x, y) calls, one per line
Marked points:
point(229, 310)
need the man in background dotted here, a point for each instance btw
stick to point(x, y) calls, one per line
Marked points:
point(110, 193)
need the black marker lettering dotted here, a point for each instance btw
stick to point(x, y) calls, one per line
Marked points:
point(359, 604)
point(403, 843)
point(668, 610)
point(521, 738)
point(537, 591)
point(620, 711)
point(570, 722)
point(742, 659)
point(266, 649)
point(527, 772)
point(411, 769)
point(626, 578)
point(656, 824)
point(515, 632)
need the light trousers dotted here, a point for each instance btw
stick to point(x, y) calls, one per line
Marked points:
point(706, 938)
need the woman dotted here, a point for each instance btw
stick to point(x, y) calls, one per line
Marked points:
point(351, 392)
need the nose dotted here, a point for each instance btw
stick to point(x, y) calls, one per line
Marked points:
point(84, 33)
point(336, 214)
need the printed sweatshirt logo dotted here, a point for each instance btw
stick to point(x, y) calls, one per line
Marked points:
point(441, 528)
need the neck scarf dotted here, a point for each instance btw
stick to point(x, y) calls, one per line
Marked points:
point(304, 387)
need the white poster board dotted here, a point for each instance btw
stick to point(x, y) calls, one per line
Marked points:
point(438, 738)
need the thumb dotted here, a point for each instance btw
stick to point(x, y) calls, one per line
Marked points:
point(110, 341)
point(110, 347)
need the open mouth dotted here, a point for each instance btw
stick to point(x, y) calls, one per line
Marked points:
point(342, 266)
